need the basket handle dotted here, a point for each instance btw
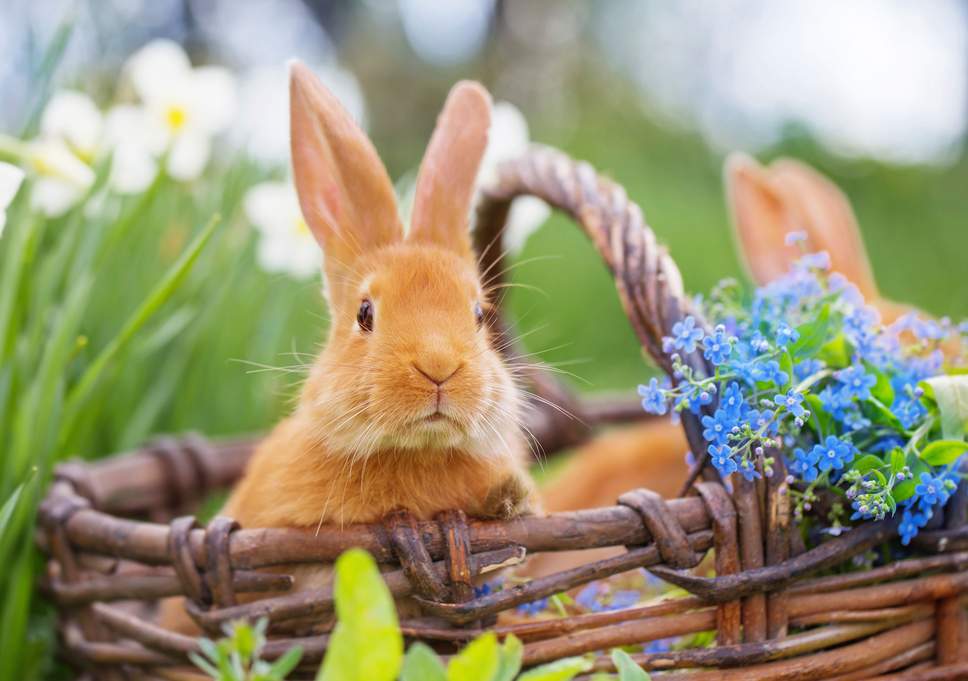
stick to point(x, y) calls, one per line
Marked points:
point(649, 283)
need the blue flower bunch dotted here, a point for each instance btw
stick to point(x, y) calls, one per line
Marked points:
point(803, 368)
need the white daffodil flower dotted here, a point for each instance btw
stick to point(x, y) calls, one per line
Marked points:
point(62, 179)
point(184, 106)
point(509, 139)
point(133, 163)
point(10, 179)
point(74, 118)
point(285, 244)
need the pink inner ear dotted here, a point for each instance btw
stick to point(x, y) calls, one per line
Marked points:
point(331, 198)
point(448, 173)
point(345, 193)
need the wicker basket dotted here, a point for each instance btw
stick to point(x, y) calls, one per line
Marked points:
point(114, 548)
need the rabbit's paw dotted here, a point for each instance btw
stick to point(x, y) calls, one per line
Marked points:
point(511, 498)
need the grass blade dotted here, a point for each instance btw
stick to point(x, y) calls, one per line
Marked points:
point(82, 391)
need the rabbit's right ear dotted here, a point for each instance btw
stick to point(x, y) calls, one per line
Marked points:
point(766, 204)
point(344, 191)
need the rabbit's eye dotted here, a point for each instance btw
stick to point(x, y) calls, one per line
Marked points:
point(365, 316)
point(478, 314)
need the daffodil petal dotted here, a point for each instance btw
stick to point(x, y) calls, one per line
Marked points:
point(527, 214)
point(75, 118)
point(52, 158)
point(159, 71)
point(188, 156)
point(272, 207)
point(305, 261)
point(127, 125)
point(214, 98)
point(132, 169)
point(507, 138)
point(11, 178)
point(54, 197)
point(272, 253)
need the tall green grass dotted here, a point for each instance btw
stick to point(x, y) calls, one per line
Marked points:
point(124, 317)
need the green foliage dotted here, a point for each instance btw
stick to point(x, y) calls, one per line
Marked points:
point(367, 645)
point(951, 395)
point(627, 669)
point(236, 657)
point(422, 664)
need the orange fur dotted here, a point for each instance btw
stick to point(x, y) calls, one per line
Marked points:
point(413, 408)
point(408, 405)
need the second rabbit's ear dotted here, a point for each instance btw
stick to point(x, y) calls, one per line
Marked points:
point(828, 219)
point(344, 191)
point(448, 172)
point(761, 219)
point(768, 203)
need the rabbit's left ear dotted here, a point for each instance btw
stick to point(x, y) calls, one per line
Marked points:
point(448, 172)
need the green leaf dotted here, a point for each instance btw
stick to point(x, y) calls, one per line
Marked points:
point(280, 668)
point(951, 394)
point(204, 665)
point(903, 491)
point(478, 661)
point(245, 640)
point(158, 296)
point(882, 390)
point(9, 506)
point(422, 664)
point(813, 333)
point(943, 452)
point(836, 353)
point(511, 653)
point(879, 413)
point(627, 669)
point(559, 670)
point(897, 460)
point(819, 417)
point(867, 462)
point(366, 644)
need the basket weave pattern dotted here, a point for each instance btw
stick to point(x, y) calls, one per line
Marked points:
point(119, 534)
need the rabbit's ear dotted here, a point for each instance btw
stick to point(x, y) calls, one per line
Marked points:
point(828, 220)
point(761, 220)
point(344, 191)
point(788, 196)
point(448, 172)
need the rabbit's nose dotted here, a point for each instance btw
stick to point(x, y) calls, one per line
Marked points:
point(436, 371)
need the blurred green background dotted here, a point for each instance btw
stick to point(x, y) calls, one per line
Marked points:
point(589, 78)
point(653, 94)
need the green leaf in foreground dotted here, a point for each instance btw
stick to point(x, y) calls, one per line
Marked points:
point(511, 654)
point(951, 394)
point(158, 296)
point(366, 644)
point(627, 669)
point(559, 670)
point(286, 663)
point(943, 452)
point(478, 661)
point(422, 664)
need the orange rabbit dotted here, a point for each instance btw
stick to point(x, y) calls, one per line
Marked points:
point(409, 405)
